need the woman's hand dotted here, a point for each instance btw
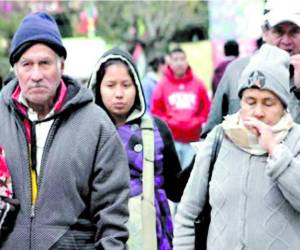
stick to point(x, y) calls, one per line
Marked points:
point(263, 132)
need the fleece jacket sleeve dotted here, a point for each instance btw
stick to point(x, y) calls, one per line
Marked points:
point(110, 194)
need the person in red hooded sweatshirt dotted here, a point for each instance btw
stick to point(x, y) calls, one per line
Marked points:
point(182, 101)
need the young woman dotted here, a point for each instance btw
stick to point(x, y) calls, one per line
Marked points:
point(254, 190)
point(117, 90)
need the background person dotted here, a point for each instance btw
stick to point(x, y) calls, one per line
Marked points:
point(181, 100)
point(158, 66)
point(281, 28)
point(254, 191)
point(63, 152)
point(231, 52)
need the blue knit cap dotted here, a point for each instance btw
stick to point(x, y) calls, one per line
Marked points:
point(35, 28)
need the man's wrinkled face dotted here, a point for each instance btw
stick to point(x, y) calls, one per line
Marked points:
point(39, 72)
point(285, 35)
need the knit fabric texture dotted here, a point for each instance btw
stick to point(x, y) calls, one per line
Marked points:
point(35, 28)
point(268, 69)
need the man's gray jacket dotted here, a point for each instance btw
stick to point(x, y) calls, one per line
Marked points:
point(83, 184)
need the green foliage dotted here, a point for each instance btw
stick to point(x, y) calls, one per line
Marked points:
point(153, 23)
point(8, 25)
point(112, 22)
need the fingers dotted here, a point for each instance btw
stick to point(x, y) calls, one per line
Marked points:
point(254, 125)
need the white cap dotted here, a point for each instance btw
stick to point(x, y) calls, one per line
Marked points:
point(279, 11)
point(275, 17)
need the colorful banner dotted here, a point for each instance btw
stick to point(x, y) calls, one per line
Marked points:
point(234, 19)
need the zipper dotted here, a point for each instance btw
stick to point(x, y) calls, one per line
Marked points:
point(49, 139)
point(32, 212)
point(32, 168)
point(48, 142)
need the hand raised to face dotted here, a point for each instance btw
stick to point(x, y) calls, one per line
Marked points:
point(263, 131)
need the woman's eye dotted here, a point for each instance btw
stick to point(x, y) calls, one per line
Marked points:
point(127, 85)
point(269, 104)
point(250, 102)
point(108, 84)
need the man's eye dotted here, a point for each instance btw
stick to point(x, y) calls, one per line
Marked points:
point(45, 62)
point(295, 31)
point(25, 64)
point(277, 32)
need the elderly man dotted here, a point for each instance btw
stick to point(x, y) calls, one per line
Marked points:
point(281, 28)
point(68, 167)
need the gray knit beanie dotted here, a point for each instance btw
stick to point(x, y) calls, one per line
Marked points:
point(268, 69)
point(35, 28)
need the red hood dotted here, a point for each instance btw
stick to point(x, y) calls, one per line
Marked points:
point(188, 76)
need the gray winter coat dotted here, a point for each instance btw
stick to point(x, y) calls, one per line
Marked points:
point(226, 100)
point(83, 182)
point(255, 200)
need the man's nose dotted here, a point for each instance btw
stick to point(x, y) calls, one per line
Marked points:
point(36, 73)
point(286, 39)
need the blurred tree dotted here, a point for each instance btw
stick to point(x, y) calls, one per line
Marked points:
point(152, 23)
point(64, 24)
point(9, 21)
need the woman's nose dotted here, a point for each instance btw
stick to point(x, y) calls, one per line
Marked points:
point(119, 92)
point(258, 111)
